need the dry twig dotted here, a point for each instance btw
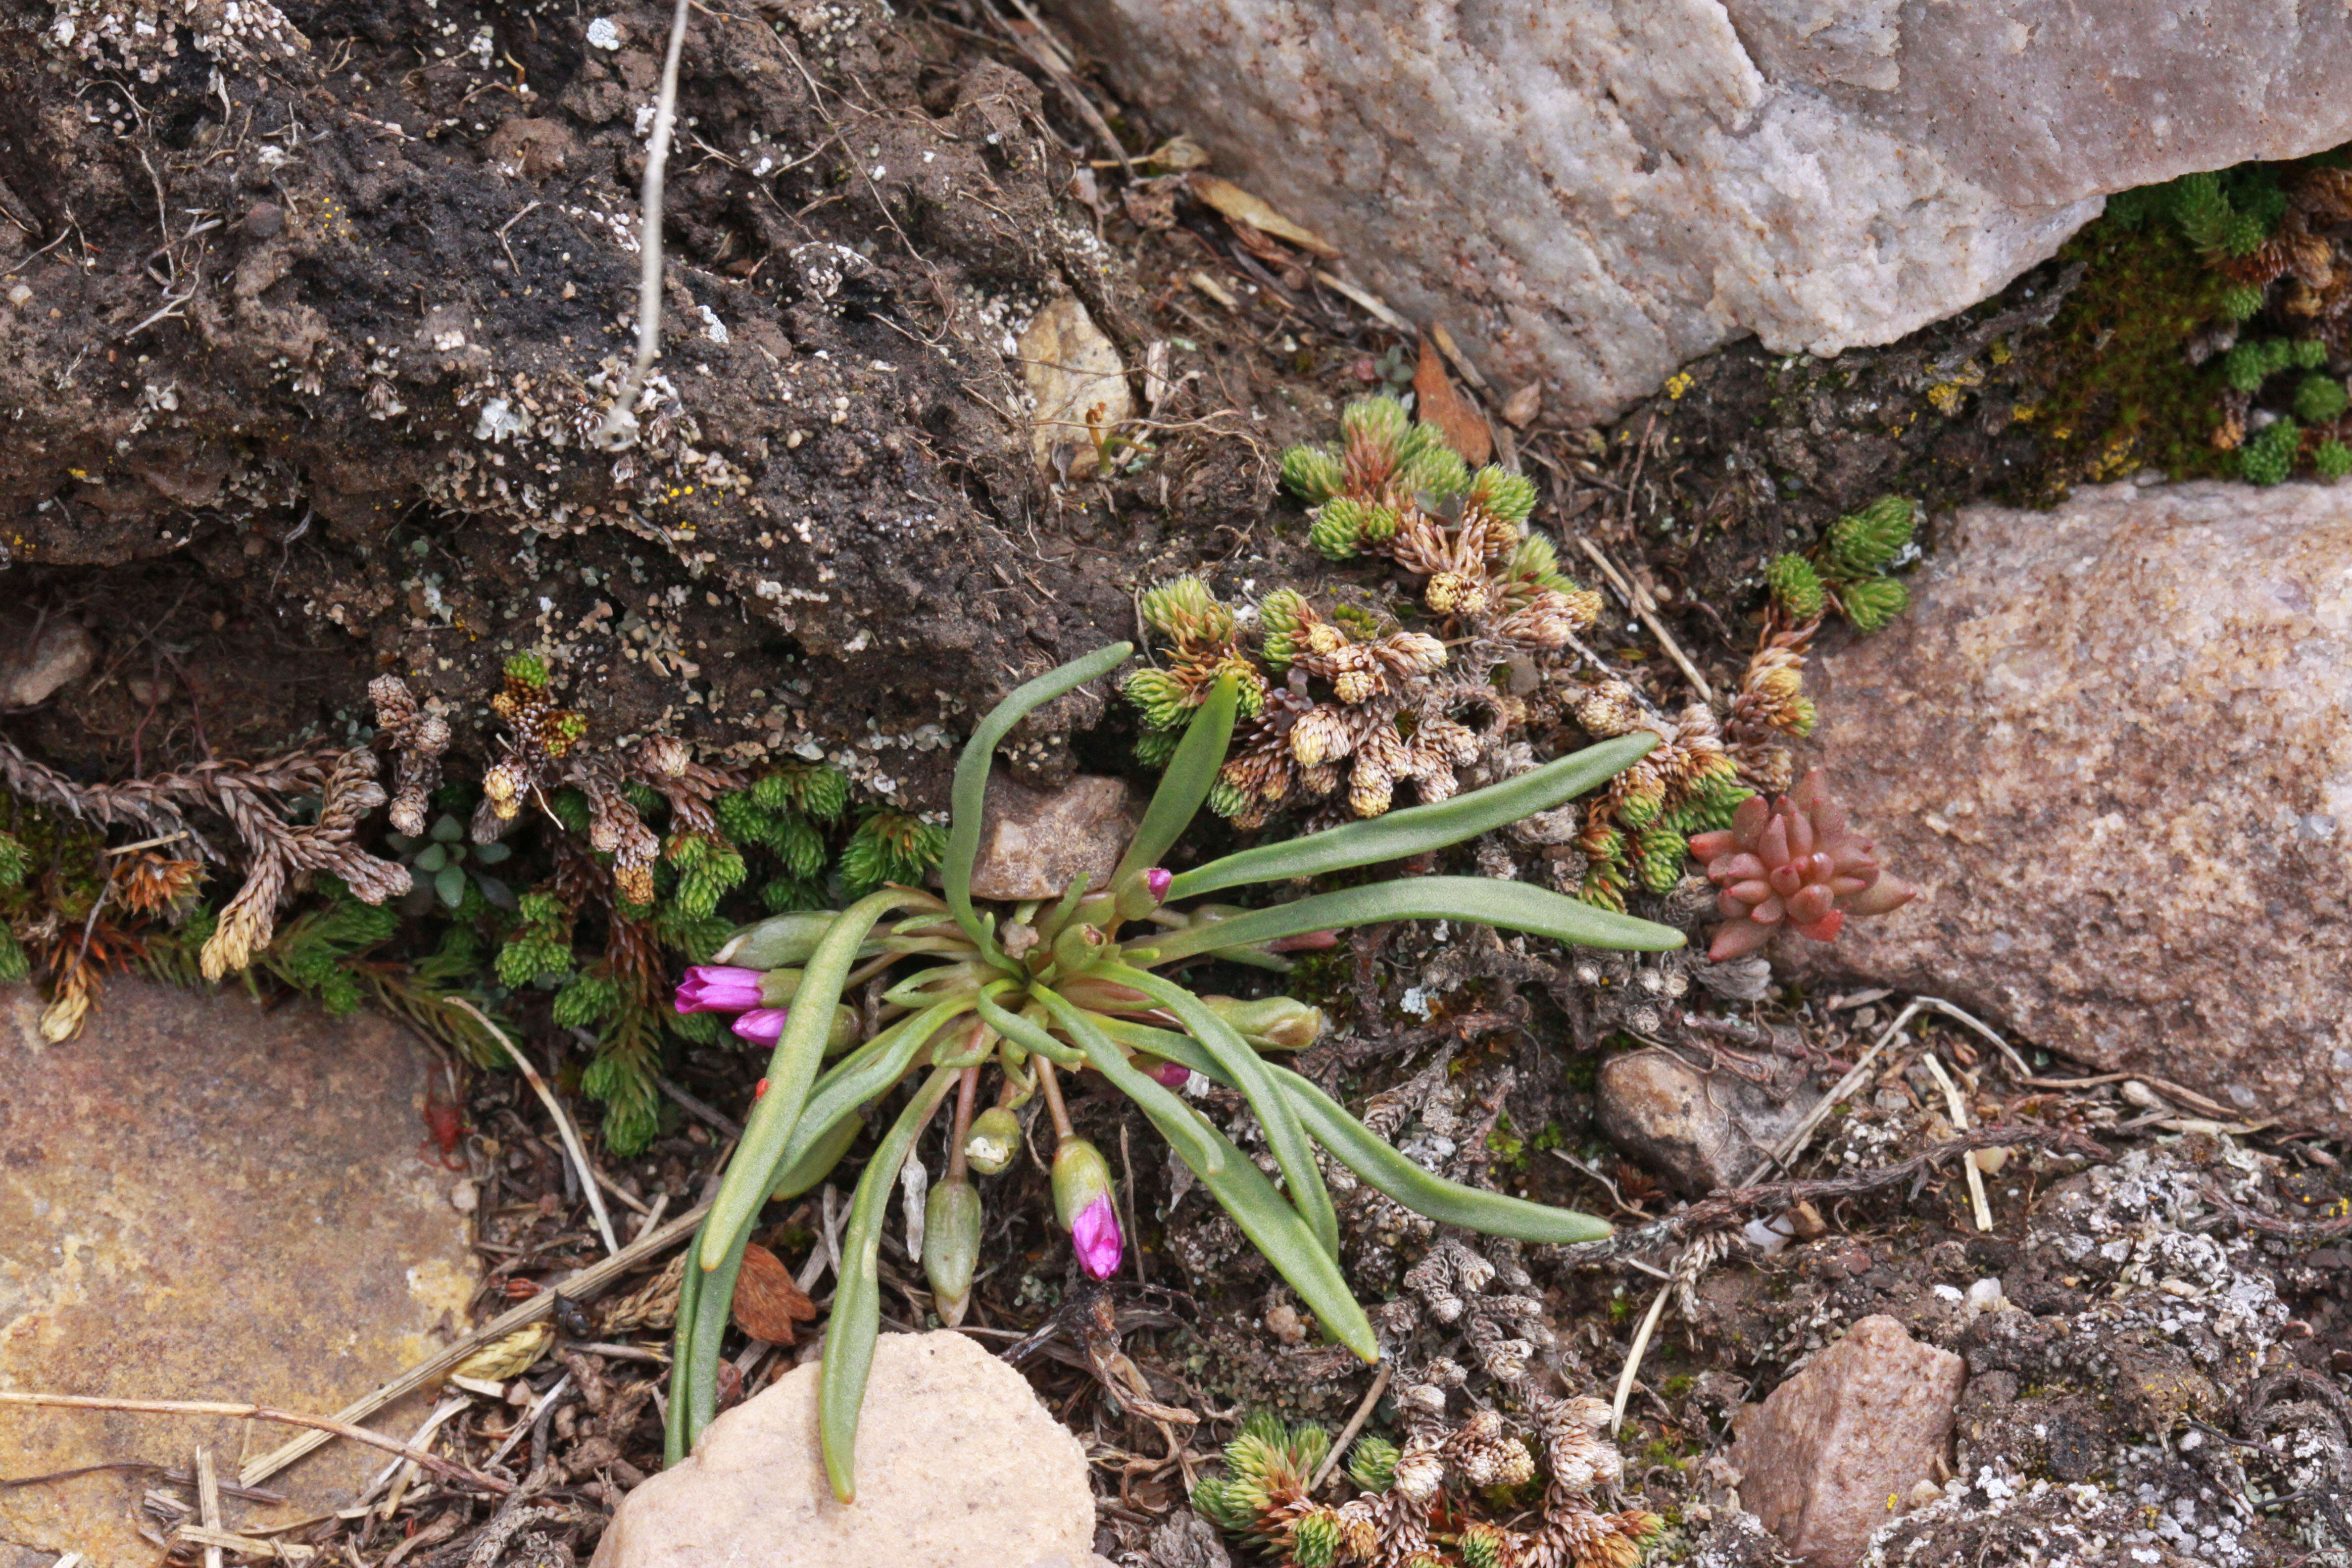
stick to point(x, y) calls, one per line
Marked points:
point(1733, 1206)
point(588, 1177)
point(332, 1426)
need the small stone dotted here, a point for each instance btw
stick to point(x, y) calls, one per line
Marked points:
point(958, 1467)
point(1032, 842)
point(40, 654)
point(2115, 741)
point(1701, 1133)
point(1867, 1420)
point(1076, 377)
point(264, 219)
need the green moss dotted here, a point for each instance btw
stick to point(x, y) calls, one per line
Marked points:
point(2118, 391)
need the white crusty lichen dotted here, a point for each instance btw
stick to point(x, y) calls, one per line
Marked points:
point(141, 35)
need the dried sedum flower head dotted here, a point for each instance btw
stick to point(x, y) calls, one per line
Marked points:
point(1797, 863)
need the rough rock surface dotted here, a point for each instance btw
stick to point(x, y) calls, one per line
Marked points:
point(39, 654)
point(2114, 742)
point(202, 1200)
point(1866, 1419)
point(958, 1467)
point(1034, 842)
point(1701, 1131)
point(1593, 192)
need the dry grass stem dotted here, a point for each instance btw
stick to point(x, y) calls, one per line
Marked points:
point(330, 1427)
point(589, 1179)
point(1957, 1104)
point(580, 1285)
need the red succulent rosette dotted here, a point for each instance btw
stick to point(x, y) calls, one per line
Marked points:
point(1796, 862)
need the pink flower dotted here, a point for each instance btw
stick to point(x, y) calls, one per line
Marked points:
point(1157, 879)
point(763, 1025)
point(1095, 1233)
point(1173, 1074)
point(718, 988)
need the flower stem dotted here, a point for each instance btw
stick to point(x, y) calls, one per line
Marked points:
point(1052, 1089)
point(967, 1092)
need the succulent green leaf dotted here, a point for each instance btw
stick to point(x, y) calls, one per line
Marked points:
point(1363, 1152)
point(1510, 906)
point(1288, 1241)
point(1255, 1079)
point(1418, 829)
point(792, 1070)
point(1186, 784)
point(969, 794)
point(856, 1316)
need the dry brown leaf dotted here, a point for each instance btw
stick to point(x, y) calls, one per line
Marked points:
point(1178, 152)
point(768, 1303)
point(1458, 419)
point(1243, 208)
point(1524, 404)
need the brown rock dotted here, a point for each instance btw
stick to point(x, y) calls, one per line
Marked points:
point(1032, 842)
point(1075, 378)
point(1866, 1419)
point(1702, 1133)
point(202, 1200)
point(958, 1467)
point(2115, 741)
point(38, 654)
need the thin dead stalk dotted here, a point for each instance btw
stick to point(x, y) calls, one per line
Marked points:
point(448, 1469)
point(572, 1145)
point(620, 426)
point(580, 1284)
point(1733, 1206)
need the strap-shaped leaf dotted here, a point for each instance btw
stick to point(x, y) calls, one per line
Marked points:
point(856, 1314)
point(792, 1069)
point(1363, 1152)
point(1484, 900)
point(1186, 784)
point(1251, 1076)
point(1029, 1035)
point(714, 1307)
point(1418, 829)
point(1238, 1185)
point(676, 1441)
point(969, 799)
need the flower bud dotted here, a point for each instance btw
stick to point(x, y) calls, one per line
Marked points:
point(777, 941)
point(988, 1146)
point(952, 1231)
point(1142, 893)
point(1283, 1023)
point(765, 1027)
point(1167, 1074)
point(718, 988)
point(1078, 949)
point(1082, 1202)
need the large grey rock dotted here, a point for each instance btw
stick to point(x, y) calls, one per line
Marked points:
point(200, 1199)
point(958, 1467)
point(1594, 190)
point(1866, 1420)
point(2114, 742)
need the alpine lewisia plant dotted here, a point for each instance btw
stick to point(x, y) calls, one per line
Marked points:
point(1032, 990)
